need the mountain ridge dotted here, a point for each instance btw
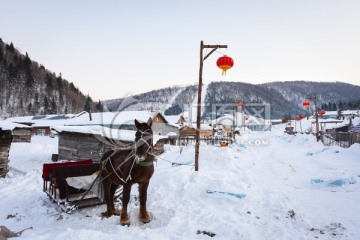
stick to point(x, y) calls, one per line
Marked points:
point(285, 97)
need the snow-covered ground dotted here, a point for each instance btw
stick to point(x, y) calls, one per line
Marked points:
point(266, 186)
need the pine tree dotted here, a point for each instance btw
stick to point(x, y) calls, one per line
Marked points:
point(334, 107)
point(46, 106)
point(49, 84)
point(13, 73)
point(10, 47)
point(341, 105)
point(53, 107)
point(30, 81)
point(88, 102)
point(59, 83)
point(30, 109)
point(99, 107)
point(26, 63)
point(1, 54)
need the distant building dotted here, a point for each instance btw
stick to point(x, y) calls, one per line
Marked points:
point(205, 131)
point(41, 125)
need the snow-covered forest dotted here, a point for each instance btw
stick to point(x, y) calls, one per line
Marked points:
point(28, 88)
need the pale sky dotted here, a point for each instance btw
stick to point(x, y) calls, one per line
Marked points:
point(110, 49)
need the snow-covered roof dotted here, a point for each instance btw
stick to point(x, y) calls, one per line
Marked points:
point(344, 123)
point(116, 134)
point(227, 120)
point(4, 125)
point(330, 120)
point(83, 119)
point(344, 112)
point(203, 126)
point(173, 118)
point(110, 118)
point(43, 120)
point(355, 128)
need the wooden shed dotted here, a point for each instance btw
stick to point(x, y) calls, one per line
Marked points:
point(21, 134)
point(162, 126)
point(5, 143)
point(205, 131)
point(81, 145)
point(85, 142)
point(177, 119)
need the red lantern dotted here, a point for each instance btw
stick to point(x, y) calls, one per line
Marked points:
point(321, 112)
point(225, 63)
point(306, 104)
point(240, 105)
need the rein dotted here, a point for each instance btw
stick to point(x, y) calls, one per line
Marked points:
point(139, 161)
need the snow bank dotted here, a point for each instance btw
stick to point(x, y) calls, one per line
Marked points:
point(280, 196)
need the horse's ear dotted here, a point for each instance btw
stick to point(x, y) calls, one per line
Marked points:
point(137, 124)
point(149, 122)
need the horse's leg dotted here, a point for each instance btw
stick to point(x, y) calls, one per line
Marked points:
point(107, 194)
point(124, 218)
point(113, 188)
point(143, 214)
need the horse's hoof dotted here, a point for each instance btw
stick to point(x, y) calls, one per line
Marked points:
point(145, 218)
point(124, 222)
point(106, 214)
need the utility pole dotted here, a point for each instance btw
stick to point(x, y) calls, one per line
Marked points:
point(202, 59)
point(316, 118)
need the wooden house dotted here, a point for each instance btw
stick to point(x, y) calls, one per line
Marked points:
point(90, 142)
point(5, 143)
point(125, 120)
point(21, 134)
point(77, 146)
point(205, 131)
point(177, 119)
point(42, 124)
point(84, 142)
point(161, 126)
point(7, 131)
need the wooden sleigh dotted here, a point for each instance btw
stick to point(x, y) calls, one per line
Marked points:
point(59, 180)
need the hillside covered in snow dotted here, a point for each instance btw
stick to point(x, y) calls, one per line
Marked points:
point(284, 97)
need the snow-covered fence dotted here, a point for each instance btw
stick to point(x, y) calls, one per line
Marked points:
point(207, 140)
point(5, 143)
point(342, 139)
point(354, 138)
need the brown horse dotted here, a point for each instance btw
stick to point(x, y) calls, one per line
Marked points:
point(126, 167)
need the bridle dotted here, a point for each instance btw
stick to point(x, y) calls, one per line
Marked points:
point(140, 142)
point(140, 161)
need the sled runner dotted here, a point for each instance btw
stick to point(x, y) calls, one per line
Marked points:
point(68, 184)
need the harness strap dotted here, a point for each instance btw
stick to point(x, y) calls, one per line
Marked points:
point(146, 164)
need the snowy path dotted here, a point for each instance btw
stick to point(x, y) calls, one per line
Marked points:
point(289, 187)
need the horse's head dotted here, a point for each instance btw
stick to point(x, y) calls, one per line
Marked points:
point(143, 140)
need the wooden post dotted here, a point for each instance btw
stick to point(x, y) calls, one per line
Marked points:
point(202, 59)
point(317, 134)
